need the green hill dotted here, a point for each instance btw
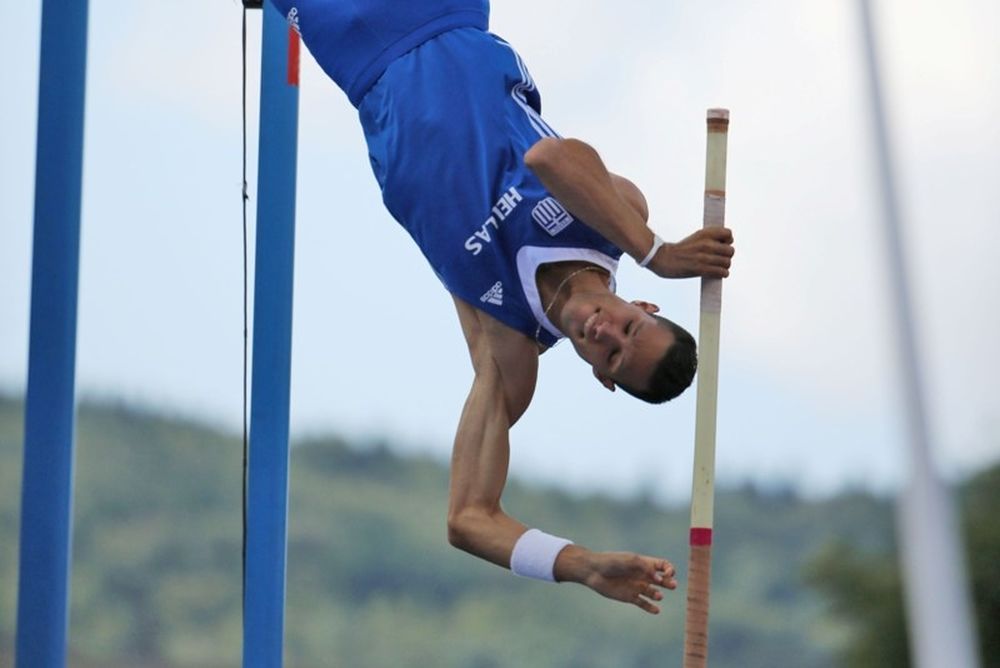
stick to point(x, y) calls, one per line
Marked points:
point(372, 581)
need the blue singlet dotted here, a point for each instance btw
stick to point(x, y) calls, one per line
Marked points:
point(448, 123)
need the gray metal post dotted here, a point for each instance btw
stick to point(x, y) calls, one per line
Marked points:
point(938, 605)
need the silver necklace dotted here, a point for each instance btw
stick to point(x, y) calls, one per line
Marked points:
point(555, 296)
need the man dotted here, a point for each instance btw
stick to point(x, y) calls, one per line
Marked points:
point(525, 230)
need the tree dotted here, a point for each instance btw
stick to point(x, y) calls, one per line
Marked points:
point(864, 589)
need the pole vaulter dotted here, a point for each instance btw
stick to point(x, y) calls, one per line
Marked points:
point(525, 230)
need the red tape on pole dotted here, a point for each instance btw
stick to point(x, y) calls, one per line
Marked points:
point(701, 536)
point(293, 57)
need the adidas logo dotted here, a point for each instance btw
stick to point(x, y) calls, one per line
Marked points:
point(494, 295)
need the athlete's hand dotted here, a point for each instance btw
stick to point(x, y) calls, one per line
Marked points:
point(621, 576)
point(708, 252)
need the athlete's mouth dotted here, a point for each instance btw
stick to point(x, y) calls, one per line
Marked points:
point(589, 324)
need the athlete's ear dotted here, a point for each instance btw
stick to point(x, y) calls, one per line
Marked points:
point(646, 306)
point(604, 380)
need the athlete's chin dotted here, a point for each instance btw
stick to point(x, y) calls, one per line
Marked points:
point(574, 324)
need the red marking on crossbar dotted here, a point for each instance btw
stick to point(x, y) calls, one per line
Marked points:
point(293, 57)
point(701, 536)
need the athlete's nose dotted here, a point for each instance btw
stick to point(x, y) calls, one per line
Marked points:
point(606, 331)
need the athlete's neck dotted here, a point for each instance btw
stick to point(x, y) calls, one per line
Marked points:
point(559, 282)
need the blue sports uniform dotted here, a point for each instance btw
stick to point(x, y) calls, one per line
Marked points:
point(448, 116)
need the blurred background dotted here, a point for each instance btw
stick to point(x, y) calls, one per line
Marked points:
point(811, 442)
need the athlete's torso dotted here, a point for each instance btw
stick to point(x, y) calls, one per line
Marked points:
point(447, 126)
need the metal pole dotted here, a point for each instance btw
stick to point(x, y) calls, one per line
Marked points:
point(938, 606)
point(267, 500)
point(47, 484)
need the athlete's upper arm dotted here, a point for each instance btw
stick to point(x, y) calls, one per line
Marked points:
point(495, 346)
point(631, 194)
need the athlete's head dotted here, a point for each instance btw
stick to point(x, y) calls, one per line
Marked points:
point(628, 346)
point(673, 373)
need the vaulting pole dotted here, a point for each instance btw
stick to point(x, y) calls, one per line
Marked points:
point(938, 604)
point(267, 491)
point(47, 483)
point(703, 485)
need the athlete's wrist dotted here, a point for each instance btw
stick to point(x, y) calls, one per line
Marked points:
point(663, 262)
point(654, 246)
point(573, 564)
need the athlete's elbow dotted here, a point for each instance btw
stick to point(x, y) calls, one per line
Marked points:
point(455, 537)
point(458, 530)
point(544, 153)
point(464, 525)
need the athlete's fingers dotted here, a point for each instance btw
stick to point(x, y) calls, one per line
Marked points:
point(667, 578)
point(663, 570)
point(647, 606)
point(714, 272)
point(723, 234)
point(717, 260)
point(725, 249)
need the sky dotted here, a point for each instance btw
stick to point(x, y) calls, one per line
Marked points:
point(809, 392)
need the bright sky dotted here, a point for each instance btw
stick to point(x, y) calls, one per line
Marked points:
point(808, 393)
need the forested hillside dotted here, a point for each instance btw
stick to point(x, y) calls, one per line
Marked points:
point(372, 581)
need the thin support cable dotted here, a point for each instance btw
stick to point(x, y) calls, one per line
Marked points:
point(246, 198)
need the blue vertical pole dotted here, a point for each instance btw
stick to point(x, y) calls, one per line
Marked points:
point(47, 484)
point(267, 493)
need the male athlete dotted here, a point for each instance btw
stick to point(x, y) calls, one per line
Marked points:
point(525, 230)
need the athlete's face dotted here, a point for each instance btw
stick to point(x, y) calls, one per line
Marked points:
point(621, 340)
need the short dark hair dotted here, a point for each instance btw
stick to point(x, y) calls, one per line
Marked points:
point(675, 370)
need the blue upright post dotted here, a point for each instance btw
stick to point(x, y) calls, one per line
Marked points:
point(47, 484)
point(267, 504)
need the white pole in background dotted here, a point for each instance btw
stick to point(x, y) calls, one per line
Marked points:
point(936, 592)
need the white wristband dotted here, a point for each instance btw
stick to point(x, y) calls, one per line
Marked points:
point(535, 553)
point(657, 242)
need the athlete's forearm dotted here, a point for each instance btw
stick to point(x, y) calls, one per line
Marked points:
point(575, 174)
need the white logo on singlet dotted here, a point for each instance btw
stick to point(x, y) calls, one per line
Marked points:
point(551, 215)
point(494, 295)
point(500, 212)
